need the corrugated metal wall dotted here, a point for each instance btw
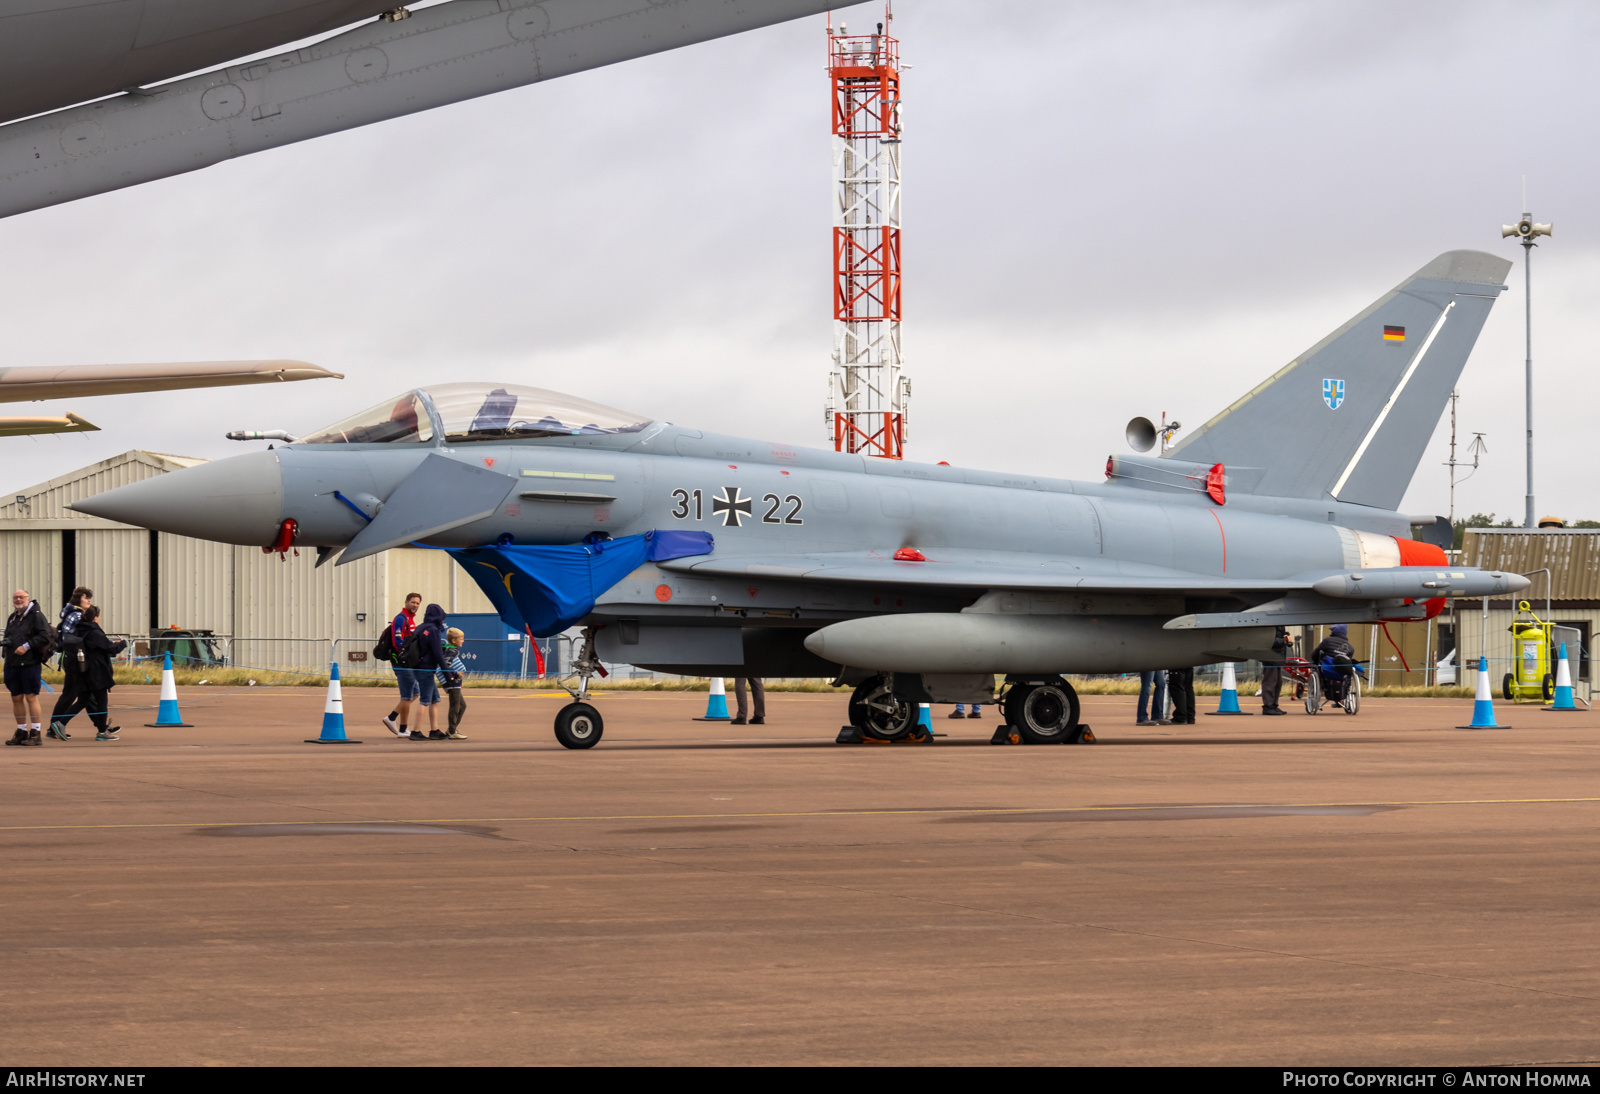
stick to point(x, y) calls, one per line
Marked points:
point(436, 576)
point(116, 565)
point(196, 584)
point(31, 561)
point(285, 607)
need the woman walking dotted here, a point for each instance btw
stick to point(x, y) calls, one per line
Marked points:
point(72, 661)
point(96, 681)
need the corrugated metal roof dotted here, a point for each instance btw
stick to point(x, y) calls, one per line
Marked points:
point(1572, 556)
point(49, 500)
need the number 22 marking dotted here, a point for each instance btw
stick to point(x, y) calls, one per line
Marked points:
point(791, 517)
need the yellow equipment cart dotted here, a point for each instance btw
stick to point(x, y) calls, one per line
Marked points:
point(1532, 655)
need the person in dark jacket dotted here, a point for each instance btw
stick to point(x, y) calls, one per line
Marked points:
point(27, 643)
point(1180, 686)
point(96, 680)
point(71, 661)
point(429, 638)
point(1272, 673)
point(1335, 656)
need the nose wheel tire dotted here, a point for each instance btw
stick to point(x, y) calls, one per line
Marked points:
point(579, 725)
point(880, 714)
point(1043, 713)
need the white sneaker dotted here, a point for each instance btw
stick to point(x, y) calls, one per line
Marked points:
point(390, 724)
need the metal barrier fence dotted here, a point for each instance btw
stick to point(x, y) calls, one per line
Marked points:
point(503, 658)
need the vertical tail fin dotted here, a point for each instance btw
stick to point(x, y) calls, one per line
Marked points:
point(1350, 417)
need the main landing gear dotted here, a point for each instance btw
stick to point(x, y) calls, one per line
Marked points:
point(1038, 711)
point(1042, 712)
point(881, 714)
point(578, 724)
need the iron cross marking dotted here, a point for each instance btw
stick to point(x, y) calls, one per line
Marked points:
point(730, 505)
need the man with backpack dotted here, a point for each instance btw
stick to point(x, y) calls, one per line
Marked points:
point(423, 653)
point(394, 638)
point(28, 645)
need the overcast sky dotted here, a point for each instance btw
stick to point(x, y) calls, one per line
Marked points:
point(1110, 210)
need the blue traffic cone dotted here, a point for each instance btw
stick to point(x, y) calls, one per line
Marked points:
point(167, 709)
point(1483, 705)
point(333, 714)
point(717, 703)
point(1230, 692)
point(925, 717)
point(1563, 700)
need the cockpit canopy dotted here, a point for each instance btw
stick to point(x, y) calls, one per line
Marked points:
point(465, 413)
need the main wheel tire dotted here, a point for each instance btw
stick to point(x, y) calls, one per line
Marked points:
point(579, 725)
point(1352, 695)
point(880, 714)
point(1313, 694)
point(1549, 688)
point(1043, 714)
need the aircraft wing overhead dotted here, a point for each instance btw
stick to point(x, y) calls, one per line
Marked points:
point(29, 427)
point(30, 383)
point(381, 69)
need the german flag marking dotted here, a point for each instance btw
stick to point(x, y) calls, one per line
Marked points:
point(1394, 334)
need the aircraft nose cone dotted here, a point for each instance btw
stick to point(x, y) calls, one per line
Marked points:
point(236, 500)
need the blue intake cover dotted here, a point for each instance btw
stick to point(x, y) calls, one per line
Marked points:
point(545, 590)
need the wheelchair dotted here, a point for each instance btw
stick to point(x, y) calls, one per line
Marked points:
point(1339, 685)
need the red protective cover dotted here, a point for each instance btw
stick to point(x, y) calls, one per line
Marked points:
point(1415, 553)
point(1214, 484)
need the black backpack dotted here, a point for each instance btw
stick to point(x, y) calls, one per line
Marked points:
point(411, 652)
point(384, 650)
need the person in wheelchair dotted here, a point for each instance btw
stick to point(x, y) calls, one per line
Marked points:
point(1335, 661)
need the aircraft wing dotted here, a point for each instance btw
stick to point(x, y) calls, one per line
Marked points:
point(25, 427)
point(1321, 596)
point(381, 69)
point(31, 382)
point(968, 569)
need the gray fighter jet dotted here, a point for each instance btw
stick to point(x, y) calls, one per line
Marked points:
point(703, 554)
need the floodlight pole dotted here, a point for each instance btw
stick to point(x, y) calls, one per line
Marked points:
point(1528, 520)
point(1525, 231)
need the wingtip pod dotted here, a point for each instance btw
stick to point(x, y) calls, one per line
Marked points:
point(1416, 583)
point(1469, 267)
point(289, 371)
point(28, 383)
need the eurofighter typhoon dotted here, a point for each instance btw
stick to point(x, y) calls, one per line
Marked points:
point(695, 553)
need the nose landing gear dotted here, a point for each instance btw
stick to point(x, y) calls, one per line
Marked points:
point(578, 724)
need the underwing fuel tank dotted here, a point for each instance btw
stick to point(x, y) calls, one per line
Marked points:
point(963, 643)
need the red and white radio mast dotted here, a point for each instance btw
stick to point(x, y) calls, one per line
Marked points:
point(867, 392)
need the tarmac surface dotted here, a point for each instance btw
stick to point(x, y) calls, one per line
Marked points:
point(1377, 889)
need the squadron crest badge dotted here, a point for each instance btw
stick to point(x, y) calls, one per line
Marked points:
point(1333, 393)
